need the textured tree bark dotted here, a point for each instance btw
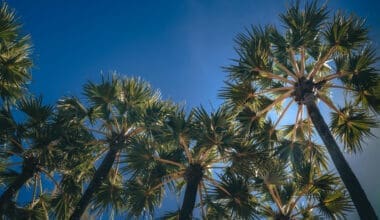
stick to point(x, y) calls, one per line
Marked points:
point(188, 204)
point(99, 176)
point(193, 177)
point(358, 196)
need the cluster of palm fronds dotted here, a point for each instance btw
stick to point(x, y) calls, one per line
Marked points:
point(121, 148)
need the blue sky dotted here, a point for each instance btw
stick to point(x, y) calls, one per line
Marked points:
point(178, 46)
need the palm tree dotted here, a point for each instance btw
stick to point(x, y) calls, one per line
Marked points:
point(118, 110)
point(185, 150)
point(30, 145)
point(15, 60)
point(300, 65)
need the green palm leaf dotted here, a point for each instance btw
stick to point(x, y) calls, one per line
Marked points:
point(15, 60)
point(334, 204)
point(236, 198)
point(141, 199)
point(110, 195)
point(352, 126)
point(346, 32)
point(304, 25)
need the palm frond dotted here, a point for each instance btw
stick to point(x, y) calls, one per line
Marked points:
point(15, 58)
point(37, 112)
point(140, 197)
point(346, 32)
point(352, 126)
point(239, 202)
point(304, 25)
point(363, 76)
point(334, 204)
point(110, 195)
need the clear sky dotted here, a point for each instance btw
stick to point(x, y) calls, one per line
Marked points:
point(178, 46)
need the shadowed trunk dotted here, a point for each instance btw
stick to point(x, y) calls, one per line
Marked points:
point(6, 198)
point(358, 196)
point(29, 168)
point(99, 176)
point(282, 217)
point(193, 177)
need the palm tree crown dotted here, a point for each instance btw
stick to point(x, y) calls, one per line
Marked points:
point(302, 63)
point(117, 110)
point(184, 151)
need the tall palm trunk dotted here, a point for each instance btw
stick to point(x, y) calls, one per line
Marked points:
point(29, 169)
point(358, 196)
point(189, 200)
point(7, 196)
point(99, 176)
point(193, 177)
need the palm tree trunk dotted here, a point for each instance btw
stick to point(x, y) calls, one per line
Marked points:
point(100, 174)
point(189, 199)
point(282, 217)
point(358, 196)
point(7, 196)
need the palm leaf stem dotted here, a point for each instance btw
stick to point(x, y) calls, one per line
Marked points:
point(284, 68)
point(320, 62)
point(172, 177)
point(303, 61)
point(269, 107)
point(294, 62)
point(185, 147)
point(215, 167)
point(308, 209)
point(168, 162)
point(340, 87)
point(274, 197)
point(117, 166)
point(50, 177)
point(303, 192)
point(213, 182)
point(332, 76)
point(271, 90)
point(18, 145)
point(34, 190)
point(299, 112)
point(282, 115)
point(270, 75)
point(329, 104)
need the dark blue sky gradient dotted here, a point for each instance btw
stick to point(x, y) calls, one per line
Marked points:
point(178, 46)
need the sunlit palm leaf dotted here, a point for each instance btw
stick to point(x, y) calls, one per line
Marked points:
point(334, 204)
point(15, 58)
point(352, 126)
